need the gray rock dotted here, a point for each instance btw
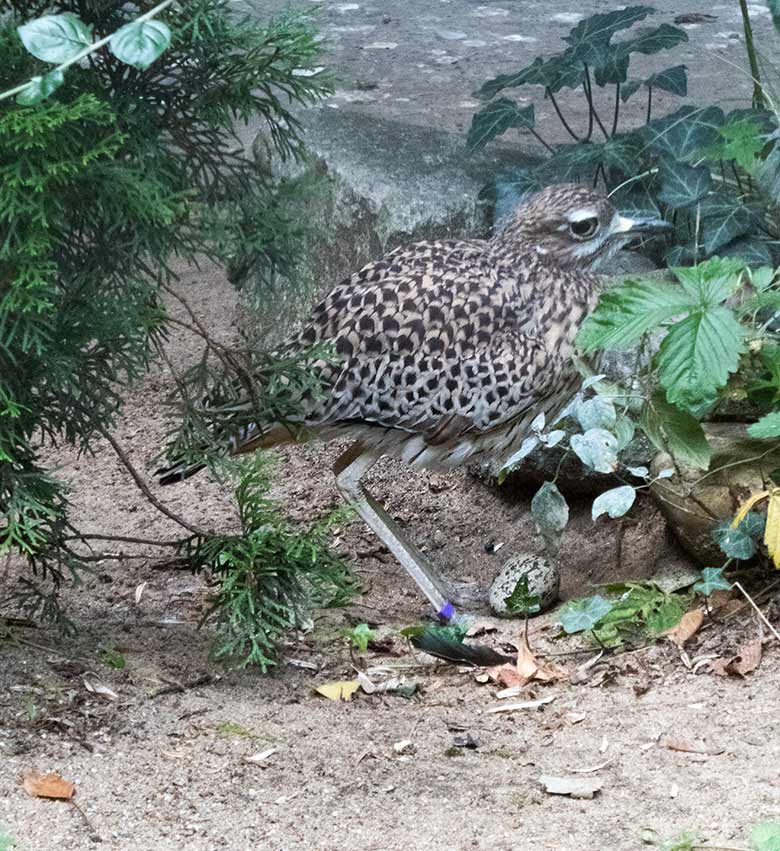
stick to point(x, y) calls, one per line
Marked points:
point(694, 501)
point(543, 577)
point(381, 184)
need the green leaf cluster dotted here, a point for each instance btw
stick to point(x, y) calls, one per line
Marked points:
point(703, 343)
point(640, 610)
point(713, 175)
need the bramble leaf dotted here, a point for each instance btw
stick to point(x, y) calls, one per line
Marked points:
point(628, 311)
point(698, 355)
point(677, 432)
point(767, 427)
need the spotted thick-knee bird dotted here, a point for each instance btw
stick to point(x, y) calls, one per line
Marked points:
point(446, 351)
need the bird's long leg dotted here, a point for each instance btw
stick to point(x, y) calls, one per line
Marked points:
point(349, 469)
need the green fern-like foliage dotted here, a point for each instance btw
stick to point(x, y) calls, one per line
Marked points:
point(267, 576)
point(105, 184)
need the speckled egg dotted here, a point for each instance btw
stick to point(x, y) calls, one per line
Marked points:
point(543, 578)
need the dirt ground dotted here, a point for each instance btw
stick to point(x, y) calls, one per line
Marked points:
point(165, 764)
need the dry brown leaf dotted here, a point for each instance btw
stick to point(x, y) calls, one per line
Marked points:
point(687, 628)
point(674, 744)
point(745, 662)
point(48, 786)
point(506, 675)
point(719, 599)
point(530, 668)
point(574, 787)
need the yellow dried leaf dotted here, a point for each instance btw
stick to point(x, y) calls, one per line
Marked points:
point(48, 786)
point(772, 531)
point(742, 513)
point(342, 690)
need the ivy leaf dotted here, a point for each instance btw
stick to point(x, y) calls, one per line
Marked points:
point(597, 412)
point(521, 601)
point(628, 311)
point(615, 502)
point(652, 40)
point(735, 543)
point(140, 43)
point(55, 38)
point(39, 88)
point(683, 185)
point(751, 251)
point(551, 513)
point(678, 432)
point(611, 66)
point(683, 134)
point(698, 355)
point(563, 71)
point(673, 80)
point(597, 449)
point(767, 427)
point(722, 220)
point(531, 74)
point(592, 34)
point(549, 508)
point(580, 615)
point(712, 579)
point(496, 118)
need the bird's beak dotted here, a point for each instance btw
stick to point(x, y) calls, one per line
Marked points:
point(640, 226)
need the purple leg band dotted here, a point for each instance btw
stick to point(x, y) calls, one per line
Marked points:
point(446, 611)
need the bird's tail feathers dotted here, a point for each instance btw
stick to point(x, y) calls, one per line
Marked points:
point(249, 440)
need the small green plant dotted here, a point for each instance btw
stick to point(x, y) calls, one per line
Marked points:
point(709, 173)
point(113, 658)
point(638, 611)
point(521, 601)
point(359, 636)
point(266, 576)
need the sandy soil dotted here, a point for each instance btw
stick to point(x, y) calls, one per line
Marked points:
point(164, 766)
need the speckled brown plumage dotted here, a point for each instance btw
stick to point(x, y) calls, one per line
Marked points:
point(448, 349)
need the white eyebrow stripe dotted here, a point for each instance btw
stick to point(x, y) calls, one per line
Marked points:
point(579, 215)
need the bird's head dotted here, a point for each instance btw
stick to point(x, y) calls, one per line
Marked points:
point(573, 226)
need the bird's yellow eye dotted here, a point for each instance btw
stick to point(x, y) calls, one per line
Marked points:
point(584, 228)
